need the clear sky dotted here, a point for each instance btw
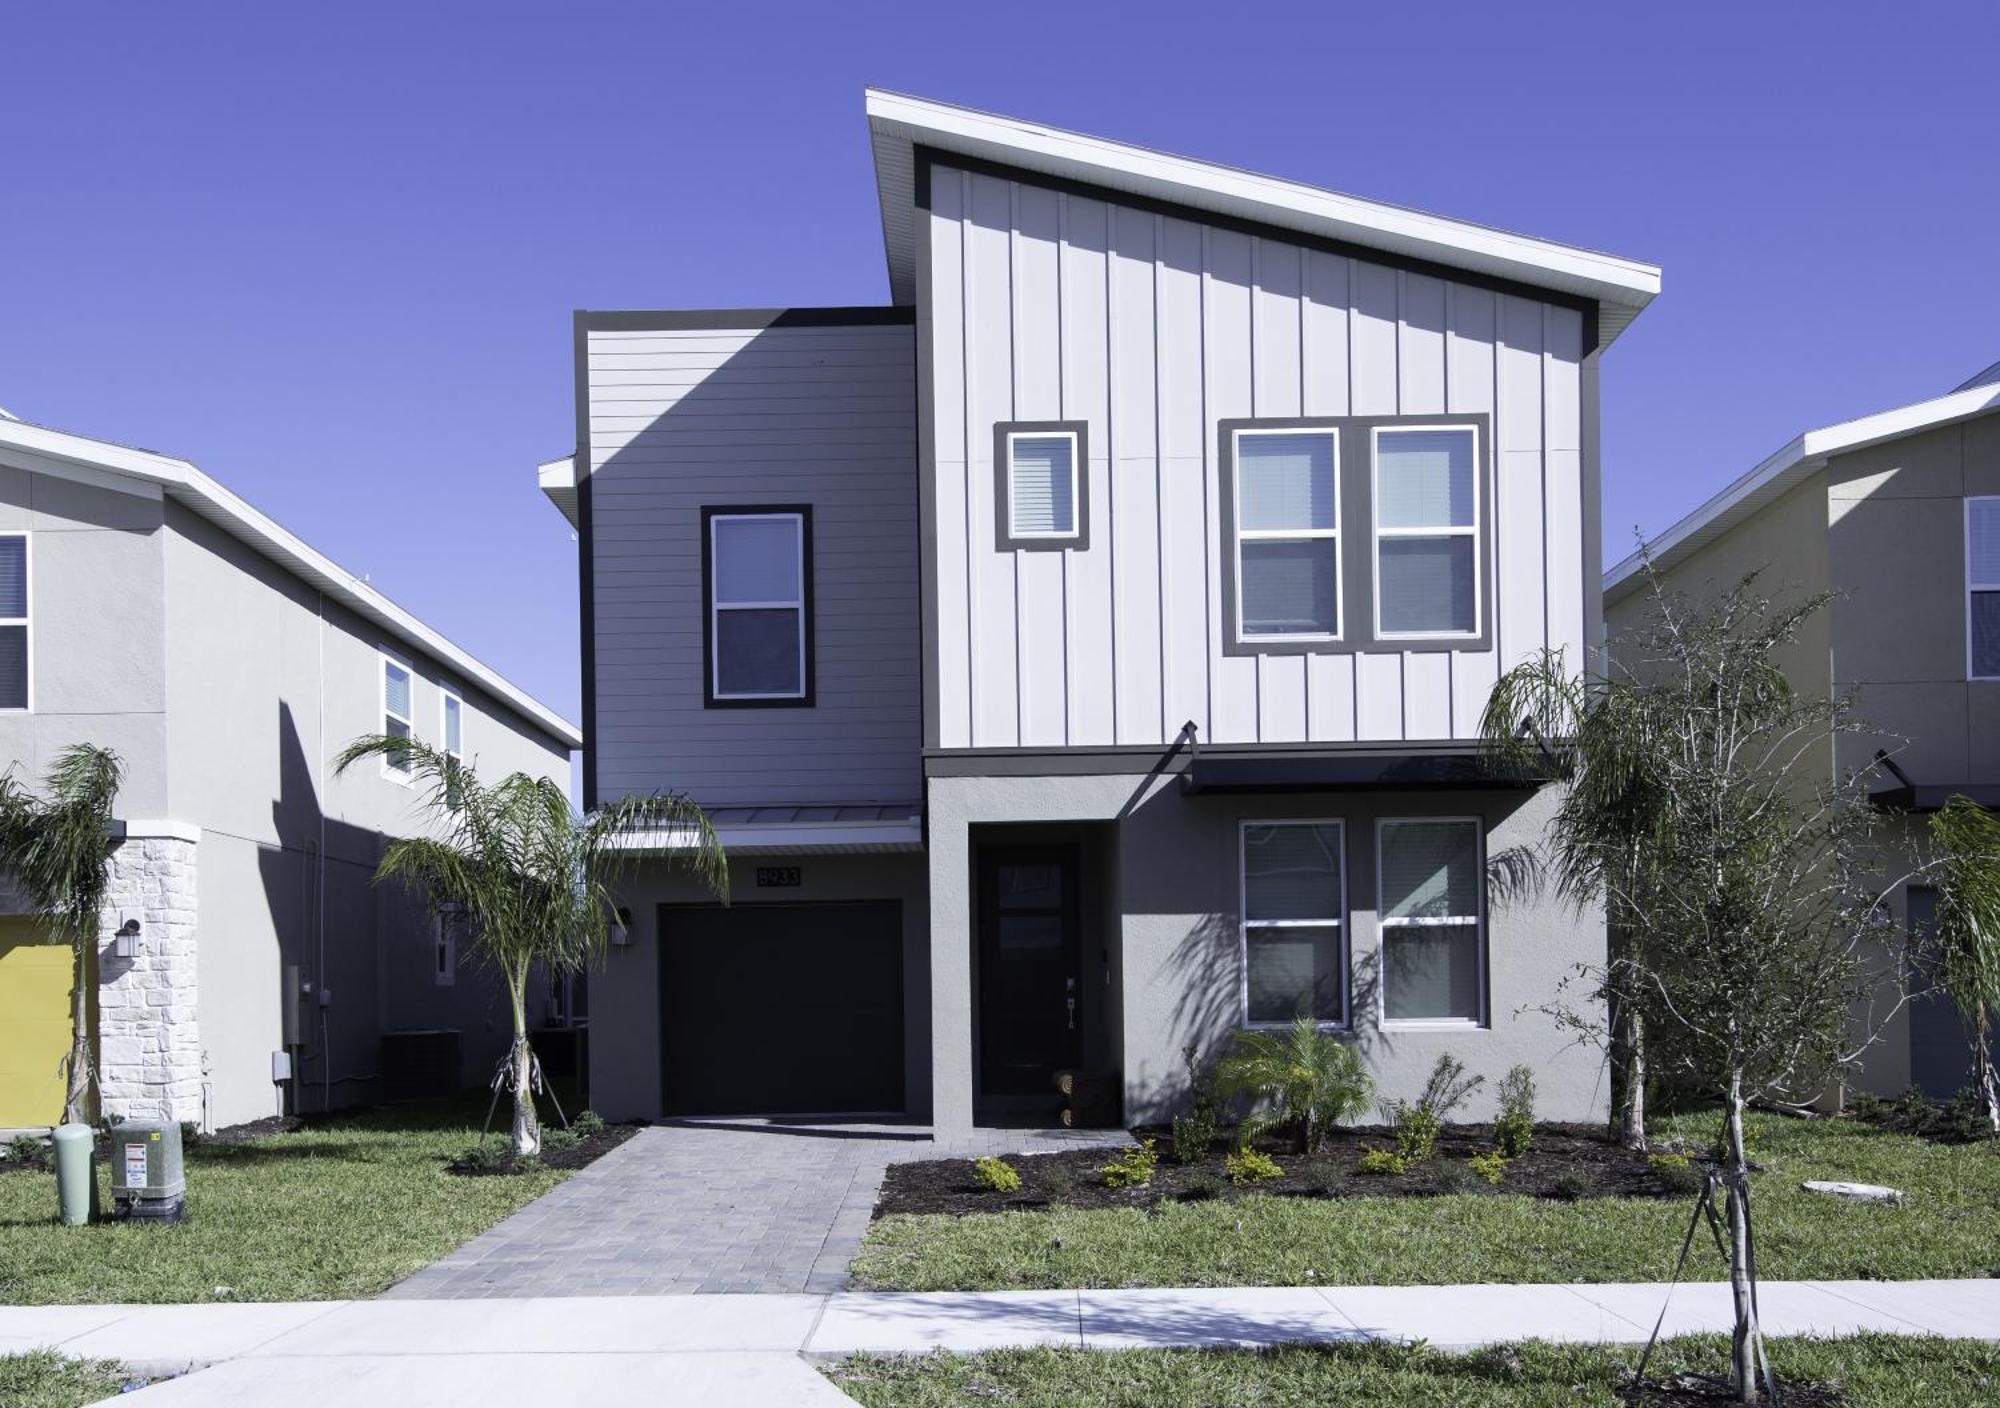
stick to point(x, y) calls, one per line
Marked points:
point(330, 252)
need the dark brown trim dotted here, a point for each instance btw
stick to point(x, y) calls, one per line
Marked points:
point(580, 470)
point(1003, 507)
point(924, 157)
point(709, 698)
point(723, 319)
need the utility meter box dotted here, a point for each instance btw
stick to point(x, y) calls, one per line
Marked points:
point(147, 1183)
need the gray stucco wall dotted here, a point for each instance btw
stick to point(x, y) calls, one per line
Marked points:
point(625, 991)
point(1178, 906)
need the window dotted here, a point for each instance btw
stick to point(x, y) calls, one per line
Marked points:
point(1426, 497)
point(13, 621)
point(396, 715)
point(1294, 952)
point(757, 564)
point(451, 725)
point(1041, 485)
point(1287, 553)
point(1430, 875)
point(1982, 587)
point(444, 938)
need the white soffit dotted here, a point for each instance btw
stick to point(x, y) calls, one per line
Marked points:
point(898, 124)
point(557, 479)
point(1781, 472)
point(148, 472)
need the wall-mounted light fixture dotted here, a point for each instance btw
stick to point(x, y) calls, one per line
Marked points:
point(125, 944)
point(621, 928)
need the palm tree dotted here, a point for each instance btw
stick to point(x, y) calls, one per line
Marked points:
point(1302, 1078)
point(527, 877)
point(1965, 937)
point(58, 850)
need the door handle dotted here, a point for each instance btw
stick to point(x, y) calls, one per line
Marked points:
point(1071, 1004)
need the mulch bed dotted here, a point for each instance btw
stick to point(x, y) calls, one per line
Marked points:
point(1683, 1389)
point(1566, 1162)
point(584, 1151)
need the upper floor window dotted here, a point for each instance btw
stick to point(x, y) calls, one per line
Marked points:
point(1356, 533)
point(1287, 504)
point(1426, 531)
point(13, 621)
point(396, 715)
point(1982, 588)
point(757, 569)
point(1042, 485)
point(451, 725)
point(1293, 944)
point(1431, 877)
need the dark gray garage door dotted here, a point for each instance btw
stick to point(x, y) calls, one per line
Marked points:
point(781, 1009)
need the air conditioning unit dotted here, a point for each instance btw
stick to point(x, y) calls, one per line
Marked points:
point(147, 1182)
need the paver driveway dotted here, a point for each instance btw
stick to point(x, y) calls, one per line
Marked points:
point(708, 1206)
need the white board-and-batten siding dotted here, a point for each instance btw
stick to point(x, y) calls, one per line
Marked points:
point(1046, 305)
point(816, 415)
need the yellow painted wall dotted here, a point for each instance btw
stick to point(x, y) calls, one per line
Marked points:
point(34, 1023)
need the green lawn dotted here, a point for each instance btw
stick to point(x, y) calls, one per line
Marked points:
point(318, 1214)
point(1874, 1371)
point(1949, 1226)
point(45, 1380)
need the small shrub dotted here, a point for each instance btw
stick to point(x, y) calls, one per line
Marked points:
point(1962, 1120)
point(1490, 1166)
point(588, 1124)
point(1417, 1122)
point(1676, 1170)
point(1514, 1130)
point(531, 1164)
point(1056, 1178)
point(1131, 1169)
point(1569, 1189)
point(190, 1134)
point(482, 1157)
point(1304, 1081)
point(1382, 1162)
point(1194, 1132)
point(1416, 1132)
point(1451, 1178)
point(1249, 1166)
point(995, 1175)
point(557, 1140)
point(26, 1151)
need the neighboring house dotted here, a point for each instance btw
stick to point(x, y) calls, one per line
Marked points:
point(146, 608)
point(1083, 655)
point(1898, 515)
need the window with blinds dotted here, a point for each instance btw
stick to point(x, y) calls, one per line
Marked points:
point(396, 716)
point(1041, 486)
point(1426, 506)
point(1293, 937)
point(14, 624)
point(1287, 510)
point(759, 568)
point(1430, 875)
point(1982, 588)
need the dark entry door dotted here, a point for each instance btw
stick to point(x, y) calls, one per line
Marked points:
point(781, 1009)
point(1029, 1003)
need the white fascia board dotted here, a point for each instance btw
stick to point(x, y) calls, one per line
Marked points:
point(179, 480)
point(899, 123)
point(903, 834)
point(557, 479)
point(1778, 473)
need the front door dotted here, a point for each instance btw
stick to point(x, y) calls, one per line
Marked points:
point(1029, 998)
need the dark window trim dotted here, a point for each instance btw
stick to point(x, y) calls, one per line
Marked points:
point(1003, 516)
point(709, 512)
point(1356, 469)
point(927, 157)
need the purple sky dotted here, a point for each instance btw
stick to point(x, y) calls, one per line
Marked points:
point(331, 256)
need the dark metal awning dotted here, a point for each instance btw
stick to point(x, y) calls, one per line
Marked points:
point(1914, 796)
point(1442, 767)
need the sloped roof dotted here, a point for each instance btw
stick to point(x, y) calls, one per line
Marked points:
point(1800, 457)
point(61, 451)
point(899, 124)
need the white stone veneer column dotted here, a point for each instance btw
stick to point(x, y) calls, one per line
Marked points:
point(149, 1039)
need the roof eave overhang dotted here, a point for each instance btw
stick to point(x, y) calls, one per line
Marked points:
point(557, 480)
point(788, 838)
point(899, 125)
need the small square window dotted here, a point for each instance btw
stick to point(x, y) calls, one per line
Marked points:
point(1041, 485)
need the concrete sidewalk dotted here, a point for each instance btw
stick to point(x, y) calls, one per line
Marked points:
point(747, 1349)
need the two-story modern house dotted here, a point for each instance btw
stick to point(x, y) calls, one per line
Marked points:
point(1898, 515)
point(248, 963)
point(1082, 655)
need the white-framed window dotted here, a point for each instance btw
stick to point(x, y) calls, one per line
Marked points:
point(444, 943)
point(1982, 588)
point(1431, 899)
point(1427, 531)
point(397, 714)
point(16, 643)
point(1043, 495)
point(451, 723)
point(759, 605)
point(1293, 938)
point(1286, 509)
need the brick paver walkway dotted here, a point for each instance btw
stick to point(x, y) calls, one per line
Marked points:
point(708, 1206)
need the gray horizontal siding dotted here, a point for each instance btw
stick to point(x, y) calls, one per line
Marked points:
point(824, 416)
point(1152, 329)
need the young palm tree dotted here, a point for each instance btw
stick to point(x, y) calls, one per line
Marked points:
point(527, 876)
point(1302, 1078)
point(57, 848)
point(1964, 941)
